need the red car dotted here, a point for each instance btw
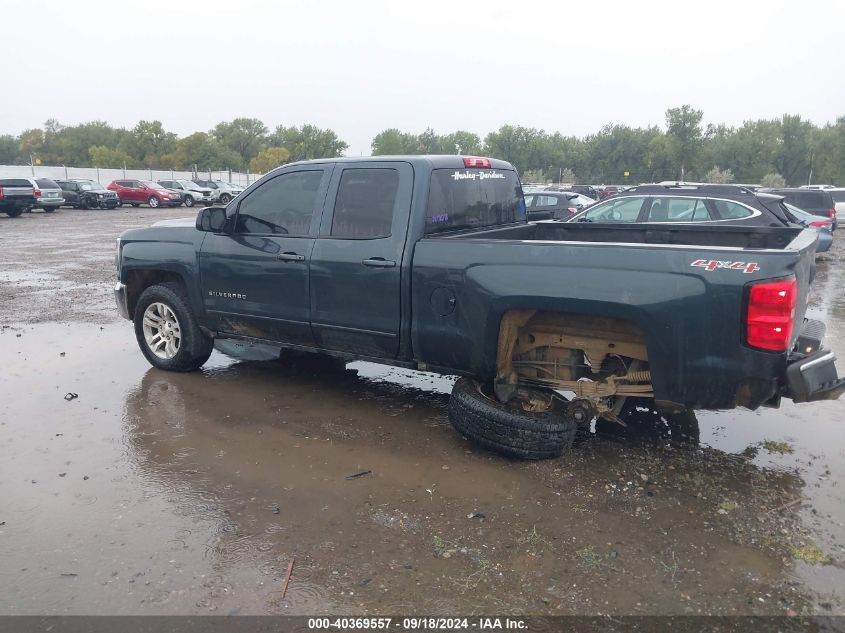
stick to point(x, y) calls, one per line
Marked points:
point(138, 192)
point(609, 191)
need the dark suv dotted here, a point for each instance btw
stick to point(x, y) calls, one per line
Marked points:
point(88, 194)
point(815, 201)
point(687, 204)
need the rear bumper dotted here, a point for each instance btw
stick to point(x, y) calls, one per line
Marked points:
point(813, 378)
point(122, 300)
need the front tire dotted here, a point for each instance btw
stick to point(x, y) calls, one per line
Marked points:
point(189, 201)
point(154, 202)
point(167, 330)
point(509, 430)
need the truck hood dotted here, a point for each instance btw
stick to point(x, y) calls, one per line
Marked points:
point(180, 222)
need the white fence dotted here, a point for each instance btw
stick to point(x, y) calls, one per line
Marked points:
point(105, 176)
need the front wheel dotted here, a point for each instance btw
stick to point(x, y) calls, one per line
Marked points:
point(167, 329)
point(509, 429)
point(189, 201)
point(154, 202)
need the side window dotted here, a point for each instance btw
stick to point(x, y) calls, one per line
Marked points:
point(614, 210)
point(546, 201)
point(728, 210)
point(529, 201)
point(281, 206)
point(365, 202)
point(678, 210)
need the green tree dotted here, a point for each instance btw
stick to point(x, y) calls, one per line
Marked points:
point(773, 180)
point(793, 156)
point(460, 142)
point(268, 159)
point(202, 150)
point(8, 150)
point(521, 146)
point(308, 142)
point(393, 142)
point(683, 128)
point(148, 142)
point(243, 135)
point(103, 156)
point(719, 176)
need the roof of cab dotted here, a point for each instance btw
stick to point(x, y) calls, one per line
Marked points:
point(432, 161)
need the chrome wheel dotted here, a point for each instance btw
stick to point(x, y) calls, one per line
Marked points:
point(162, 331)
point(154, 202)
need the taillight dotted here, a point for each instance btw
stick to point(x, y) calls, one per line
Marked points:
point(37, 193)
point(820, 224)
point(771, 314)
point(476, 161)
point(2, 195)
point(831, 213)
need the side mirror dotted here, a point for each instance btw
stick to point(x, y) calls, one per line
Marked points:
point(211, 219)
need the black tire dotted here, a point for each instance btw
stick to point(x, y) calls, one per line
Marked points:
point(154, 202)
point(13, 213)
point(83, 203)
point(189, 201)
point(50, 209)
point(195, 347)
point(509, 430)
point(225, 198)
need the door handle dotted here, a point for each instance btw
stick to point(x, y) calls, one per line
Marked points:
point(379, 262)
point(291, 257)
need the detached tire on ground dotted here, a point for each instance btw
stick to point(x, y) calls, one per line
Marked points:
point(508, 429)
point(167, 329)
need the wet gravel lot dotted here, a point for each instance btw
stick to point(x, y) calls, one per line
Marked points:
point(158, 493)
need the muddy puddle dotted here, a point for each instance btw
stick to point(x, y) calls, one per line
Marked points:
point(158, 493)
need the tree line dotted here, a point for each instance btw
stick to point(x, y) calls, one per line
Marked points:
point(789, 150)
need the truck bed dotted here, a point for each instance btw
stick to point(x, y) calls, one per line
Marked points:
point(679, 285)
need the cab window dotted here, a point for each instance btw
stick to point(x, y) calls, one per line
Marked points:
point(281, 206)
point(365, 202)
point(614, 210)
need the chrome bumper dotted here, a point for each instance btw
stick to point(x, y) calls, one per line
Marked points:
point(121, 298)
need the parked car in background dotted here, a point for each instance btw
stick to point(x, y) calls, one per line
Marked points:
point(554, 205)
point(48, 194)
point(686, 204)
point(16, 196)
point(223, 192)
point(192, 193)
point(838, 196)
point(822, 225)
point(609, 190)
point(816, 201)
point(817, 187)
point(88, 194)
point(138, 192)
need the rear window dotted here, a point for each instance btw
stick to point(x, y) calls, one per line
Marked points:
point(838, 196)
point(473, 198)
point(14, 182)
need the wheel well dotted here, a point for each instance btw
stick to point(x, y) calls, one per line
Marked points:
point(595, 357)
point(139, 280)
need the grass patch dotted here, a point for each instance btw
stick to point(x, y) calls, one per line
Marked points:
point(811, 554)
point(782, 448)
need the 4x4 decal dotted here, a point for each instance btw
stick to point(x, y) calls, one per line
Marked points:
point(712, 264)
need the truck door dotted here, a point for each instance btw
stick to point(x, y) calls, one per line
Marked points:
point(357, 260)
point(255, 279)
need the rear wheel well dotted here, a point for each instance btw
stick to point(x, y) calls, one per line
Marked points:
point(139, 280)
point(597, 358)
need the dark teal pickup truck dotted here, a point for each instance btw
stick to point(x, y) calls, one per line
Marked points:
point(427, 262)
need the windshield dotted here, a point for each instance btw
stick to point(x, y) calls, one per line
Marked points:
point(91, 186)
point(806, 200)
point(153, 185)
point(473, 198)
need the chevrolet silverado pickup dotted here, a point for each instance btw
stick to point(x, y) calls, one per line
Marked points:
point(428, 262)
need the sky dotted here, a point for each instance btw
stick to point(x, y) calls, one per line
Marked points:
point(359, 66)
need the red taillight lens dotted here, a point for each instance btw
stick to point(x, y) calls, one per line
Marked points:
point(820, 224)
point(1, 193)
point(771, 313)
point(831, 213)
point(476, 161)
point(37, 193)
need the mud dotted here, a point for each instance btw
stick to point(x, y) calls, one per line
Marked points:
point(157, 493)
